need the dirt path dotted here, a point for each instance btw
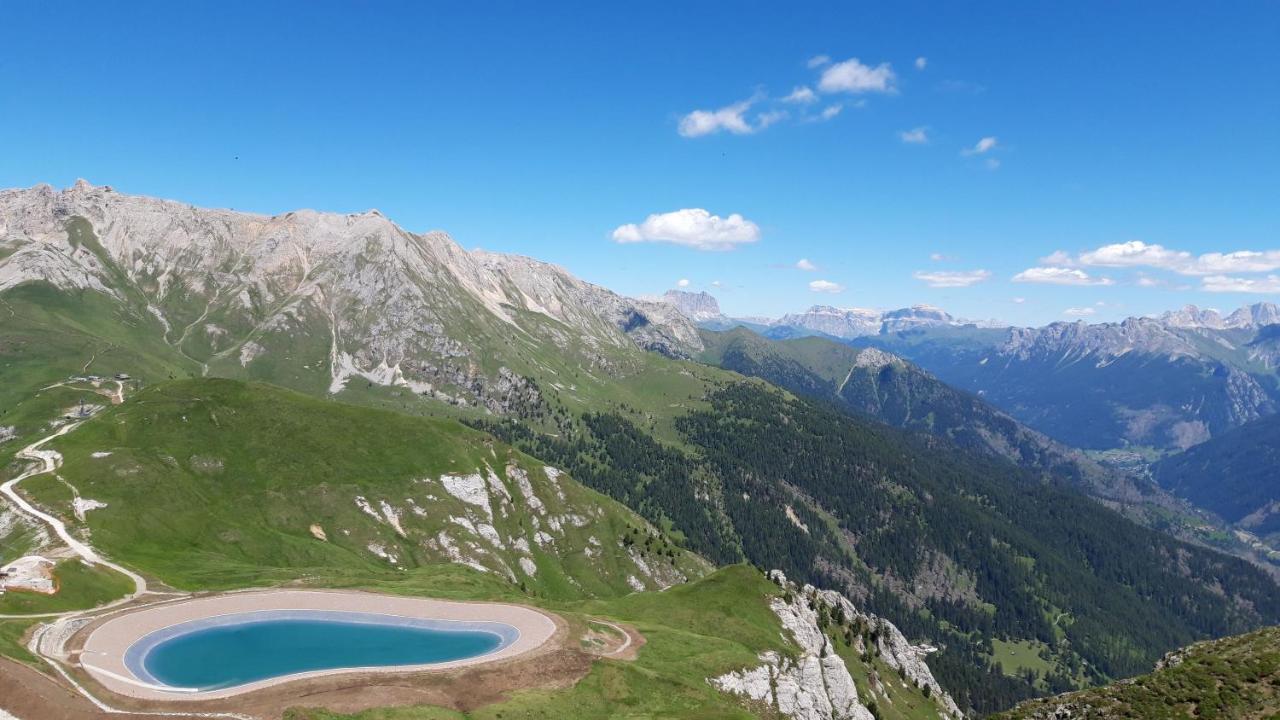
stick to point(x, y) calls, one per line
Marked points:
point(47, 462)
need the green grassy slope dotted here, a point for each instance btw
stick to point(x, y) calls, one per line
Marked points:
point(218, 483)
point(79, 587)
point(47, 336)
point(1233, 678)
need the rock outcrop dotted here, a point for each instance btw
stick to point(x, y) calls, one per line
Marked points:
point(815, 683)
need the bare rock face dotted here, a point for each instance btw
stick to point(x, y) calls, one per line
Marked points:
point(834, 321)
point(372, 300)
point(697, 306)
point(816, 684)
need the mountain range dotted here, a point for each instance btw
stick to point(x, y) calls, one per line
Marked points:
point(1162, 383)
point(417, 384)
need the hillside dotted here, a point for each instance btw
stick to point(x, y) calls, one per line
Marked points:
point(1233, 474)
point(1236, 678)
point(208, 483)
point(885, 387)
point(352, 312)
point(887, 518)
point(872, 383)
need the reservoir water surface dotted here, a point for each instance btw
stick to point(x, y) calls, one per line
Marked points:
point(232, 650)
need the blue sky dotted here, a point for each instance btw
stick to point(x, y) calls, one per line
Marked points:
point(1137, 140)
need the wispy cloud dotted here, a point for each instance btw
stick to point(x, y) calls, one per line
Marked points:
point(765, 119)
point(963, 87)
point(691, 227)
point(805, 265)
point(682, 283)
point(922, 62)
point(1060, 276)
point(851, 76)
point(826, 286)
point(915, 136)
point(1223, 284)
point(952, 278)
point(830, 111)
point(1079, 312)
point(818, 61)
point(982, 147)
point(730, 118)
point(801, 95)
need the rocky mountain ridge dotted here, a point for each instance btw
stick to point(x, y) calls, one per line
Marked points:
point(354, 295)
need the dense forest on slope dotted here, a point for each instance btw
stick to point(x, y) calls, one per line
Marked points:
point(962, 550)
point(876, 384)
point(1236, 475)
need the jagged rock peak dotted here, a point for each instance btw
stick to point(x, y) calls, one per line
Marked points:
point(816, 683)
point(874, 358)
point(697, 306)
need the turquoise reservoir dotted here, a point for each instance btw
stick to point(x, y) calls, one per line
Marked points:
point(232, 650)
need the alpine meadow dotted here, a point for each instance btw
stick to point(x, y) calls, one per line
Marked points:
point(828, 362)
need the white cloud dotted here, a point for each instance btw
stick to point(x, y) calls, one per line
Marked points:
point(802, 95)
point(1019, 300)
point(805, 265)
point(826, 286)
point(922, 62)
point(915, 136)
point(682, 283)
point(1137, 253)
point(952, 278)
point(1222, 283)
point(730, 118)
point(830, 111)
point(1239, 261)
point(1134, 254)
point(716, 283)
point(765, 119)
point(691, 227)
point(1059, 276)
point(818, 61)
point(985, 145)
point(1079, 312)
point(851, 76)
point(939, 257)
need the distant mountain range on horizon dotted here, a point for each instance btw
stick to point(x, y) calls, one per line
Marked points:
point(1150, 384)
point(851, 322)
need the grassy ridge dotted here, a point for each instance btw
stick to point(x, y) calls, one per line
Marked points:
point(1236, 677)
point(218, 484)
